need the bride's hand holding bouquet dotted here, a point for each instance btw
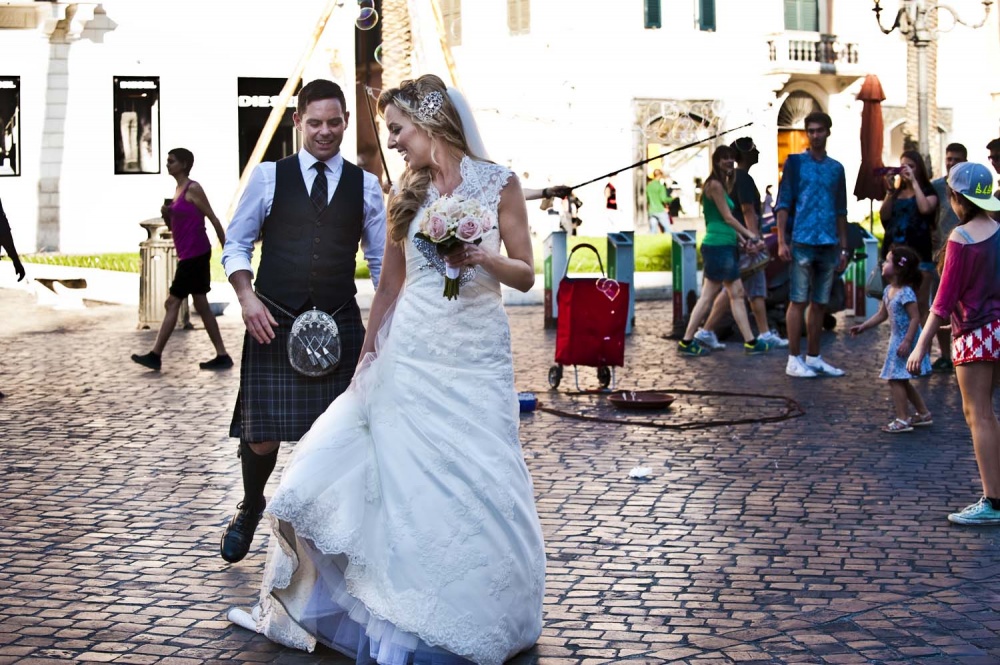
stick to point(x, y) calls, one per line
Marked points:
point(455, 227)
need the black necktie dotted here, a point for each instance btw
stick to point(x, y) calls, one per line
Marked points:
point(318, 191)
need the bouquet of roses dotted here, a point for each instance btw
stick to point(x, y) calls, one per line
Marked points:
point(449, 221)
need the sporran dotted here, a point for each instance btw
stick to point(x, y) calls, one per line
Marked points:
point(314, 341)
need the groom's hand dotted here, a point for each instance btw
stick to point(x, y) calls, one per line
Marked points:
point(257, 318)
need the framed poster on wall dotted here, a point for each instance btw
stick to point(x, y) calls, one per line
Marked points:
point(137, 124)
point(10, 125)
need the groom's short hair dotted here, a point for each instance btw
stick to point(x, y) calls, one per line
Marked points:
point(317, 90)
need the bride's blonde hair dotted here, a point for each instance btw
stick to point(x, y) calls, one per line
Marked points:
point(436, 115)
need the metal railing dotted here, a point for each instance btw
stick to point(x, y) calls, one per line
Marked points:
point(803, 49)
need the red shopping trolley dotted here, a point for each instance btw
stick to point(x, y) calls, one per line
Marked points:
point(590, 329)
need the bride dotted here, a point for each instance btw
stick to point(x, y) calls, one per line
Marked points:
point(405, 528)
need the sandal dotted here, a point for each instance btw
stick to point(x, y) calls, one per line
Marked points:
point(898, 425)
point(921, 419)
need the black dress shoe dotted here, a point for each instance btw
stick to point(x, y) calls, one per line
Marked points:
point(238, 536)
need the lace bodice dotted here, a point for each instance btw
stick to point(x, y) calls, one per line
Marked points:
point(482, 182)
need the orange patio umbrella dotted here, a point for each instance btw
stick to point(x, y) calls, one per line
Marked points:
point(870, 184)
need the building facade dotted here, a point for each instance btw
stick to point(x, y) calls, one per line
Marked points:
point(92, 95)
point(568, 90)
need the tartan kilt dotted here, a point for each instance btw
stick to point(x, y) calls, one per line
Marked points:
point(276, 403)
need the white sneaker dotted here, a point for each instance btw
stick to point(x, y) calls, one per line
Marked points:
point(708, 339)
point(774, 339)
point(820, 366)
point(796, 367)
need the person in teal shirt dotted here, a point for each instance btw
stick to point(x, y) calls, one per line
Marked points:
point(657, 201)
point(720, 255)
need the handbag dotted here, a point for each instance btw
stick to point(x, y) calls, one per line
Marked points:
point(753, 263)
point(874, 286)
point(314, 341)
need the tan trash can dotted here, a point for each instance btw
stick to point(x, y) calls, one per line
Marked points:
point(158, 262)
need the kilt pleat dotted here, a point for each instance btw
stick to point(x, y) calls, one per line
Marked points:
point(276, 403)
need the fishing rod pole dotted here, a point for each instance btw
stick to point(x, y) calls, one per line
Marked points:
point(669, 152)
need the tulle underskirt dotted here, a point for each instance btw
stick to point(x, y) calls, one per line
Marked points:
point(343, 623)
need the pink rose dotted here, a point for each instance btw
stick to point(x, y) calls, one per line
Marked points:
point(437, 228)
point(487, 222)
point(469, 229)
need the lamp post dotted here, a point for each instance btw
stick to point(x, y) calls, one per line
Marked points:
point(912, 22)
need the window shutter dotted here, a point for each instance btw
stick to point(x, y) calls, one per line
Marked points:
point(802, 15)
point(652, 17)
point(518, 17)
point(706, 15)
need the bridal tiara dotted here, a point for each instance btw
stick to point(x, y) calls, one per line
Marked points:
point(429, 105)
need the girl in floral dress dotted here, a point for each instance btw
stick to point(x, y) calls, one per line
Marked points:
point(899, 304)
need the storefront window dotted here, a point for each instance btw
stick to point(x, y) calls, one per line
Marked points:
point(137, 124)
point(255, 98)
point(10, 125)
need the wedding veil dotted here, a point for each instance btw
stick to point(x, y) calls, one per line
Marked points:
point(469, 127)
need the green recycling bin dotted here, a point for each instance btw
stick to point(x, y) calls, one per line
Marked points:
point(621, 268)
point(684, 278)
point(554, 267)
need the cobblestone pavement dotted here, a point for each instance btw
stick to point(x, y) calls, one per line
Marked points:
point(811, 540)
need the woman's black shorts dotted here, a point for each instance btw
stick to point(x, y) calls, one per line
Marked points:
point(192, 277)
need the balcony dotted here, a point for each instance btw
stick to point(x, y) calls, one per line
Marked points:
point(812, 53)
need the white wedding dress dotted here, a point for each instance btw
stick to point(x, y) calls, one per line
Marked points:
point(405, 527)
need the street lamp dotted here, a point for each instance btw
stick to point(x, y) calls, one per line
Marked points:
point(912, 23)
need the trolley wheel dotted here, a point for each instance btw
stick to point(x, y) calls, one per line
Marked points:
point(604, 376)
point(555, 375)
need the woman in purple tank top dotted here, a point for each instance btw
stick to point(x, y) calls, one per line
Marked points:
point(185, 217)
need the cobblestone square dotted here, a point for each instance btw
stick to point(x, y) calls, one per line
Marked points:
point(813, 539)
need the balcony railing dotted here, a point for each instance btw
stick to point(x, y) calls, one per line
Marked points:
point(811, 52)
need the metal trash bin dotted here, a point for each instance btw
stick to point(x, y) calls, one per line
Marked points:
point(621, 268)
point(554, 267)
point(856, 276)
point(158, 262)
point(684, 278)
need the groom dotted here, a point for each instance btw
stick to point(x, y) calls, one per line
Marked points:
point(311, 211)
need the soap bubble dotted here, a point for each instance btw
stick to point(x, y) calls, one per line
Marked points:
point(369, 4)
point(367, 19)
point(378, 54)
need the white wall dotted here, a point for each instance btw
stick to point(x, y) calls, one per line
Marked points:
point(198, 49)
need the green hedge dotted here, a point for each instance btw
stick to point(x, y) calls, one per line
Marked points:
point(122, 262)
point(652, 253)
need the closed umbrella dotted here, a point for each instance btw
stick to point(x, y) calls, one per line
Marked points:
point(870, 184)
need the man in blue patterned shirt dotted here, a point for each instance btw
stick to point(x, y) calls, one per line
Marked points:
point(812, 204)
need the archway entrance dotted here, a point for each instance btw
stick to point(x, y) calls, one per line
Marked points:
point(666, 124)
point(792, 137)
